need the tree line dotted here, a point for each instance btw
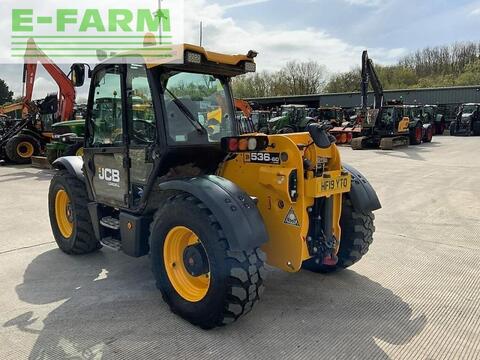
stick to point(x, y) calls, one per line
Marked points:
point(451, 65)
point(295, 78)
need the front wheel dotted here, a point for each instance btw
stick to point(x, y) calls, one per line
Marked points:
point(69, 216)
point(357, 236)
point(21, 148)
point(199, 277)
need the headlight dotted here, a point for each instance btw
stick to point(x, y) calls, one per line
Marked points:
point(193, 57)
point(250, 66)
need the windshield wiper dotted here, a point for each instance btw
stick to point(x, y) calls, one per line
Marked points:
point(188, 114)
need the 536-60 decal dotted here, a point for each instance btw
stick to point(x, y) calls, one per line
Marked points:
point(263, 158)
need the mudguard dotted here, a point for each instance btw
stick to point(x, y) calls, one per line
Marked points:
point(73, 164)
point(237, 213)
point(363, 196)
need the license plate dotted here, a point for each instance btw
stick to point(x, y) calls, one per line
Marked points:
point(335, 185)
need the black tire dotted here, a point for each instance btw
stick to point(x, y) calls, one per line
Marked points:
point(476, 128)
point(357, 236)
point(416, 135)
point(428, 135)
point(236, 277)
point(11, 149)
point(82, 239)
point(452, 128)
point(72, 149)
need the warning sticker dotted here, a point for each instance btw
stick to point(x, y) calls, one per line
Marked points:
point(291, 218)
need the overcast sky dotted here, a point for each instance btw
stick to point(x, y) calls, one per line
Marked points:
point(331, 32)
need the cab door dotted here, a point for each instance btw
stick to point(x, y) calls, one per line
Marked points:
point(105, 154)
point(142, 131)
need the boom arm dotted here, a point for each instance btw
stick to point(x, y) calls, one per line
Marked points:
point(244, 107)
point(369, 75)
point(66, 95)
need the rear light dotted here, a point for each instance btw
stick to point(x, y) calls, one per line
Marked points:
point(252, 144)
point(233, 144)
point(349, 137)
point(244, 143)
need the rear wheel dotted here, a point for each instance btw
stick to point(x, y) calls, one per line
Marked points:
point(428, 134)
point(200, 278)
point(21, 148)
point(416, 135)
point(69, 216)
point(357, 236)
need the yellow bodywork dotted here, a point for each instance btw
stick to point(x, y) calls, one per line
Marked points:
point(404, 124)
point(269, 182)
point(178, 52)
point(13, 110)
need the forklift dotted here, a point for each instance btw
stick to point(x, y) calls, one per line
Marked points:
point(209, 207)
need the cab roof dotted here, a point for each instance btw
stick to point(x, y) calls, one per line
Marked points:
point(181, 56)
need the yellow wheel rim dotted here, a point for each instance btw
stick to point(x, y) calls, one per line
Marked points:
point(25, 149)
point(191, 288)
point(79, 152)
point(63, 213)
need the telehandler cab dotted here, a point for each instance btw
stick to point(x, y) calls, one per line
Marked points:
point(209, 207)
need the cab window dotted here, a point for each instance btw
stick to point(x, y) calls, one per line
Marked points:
point(197, 108)
point(107, 114)
point(141, 119)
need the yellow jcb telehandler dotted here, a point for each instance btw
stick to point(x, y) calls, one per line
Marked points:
point(211, 208)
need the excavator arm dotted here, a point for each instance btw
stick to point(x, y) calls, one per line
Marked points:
point(369, 75)
point(66, 95)
point(244, 107)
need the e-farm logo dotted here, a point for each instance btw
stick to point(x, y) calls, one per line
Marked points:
point(72, 34)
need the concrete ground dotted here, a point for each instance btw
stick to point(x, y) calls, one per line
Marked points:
point(416, 295)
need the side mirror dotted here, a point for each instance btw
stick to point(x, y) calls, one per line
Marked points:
point(77, 74)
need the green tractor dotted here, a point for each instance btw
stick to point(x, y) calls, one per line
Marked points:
point(421, 127)
point(68, 136)
point(434, 116)
point(67, 139)
point(260, 119)
point(293, 119)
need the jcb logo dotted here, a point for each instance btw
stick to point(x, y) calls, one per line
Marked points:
point(111, 175)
